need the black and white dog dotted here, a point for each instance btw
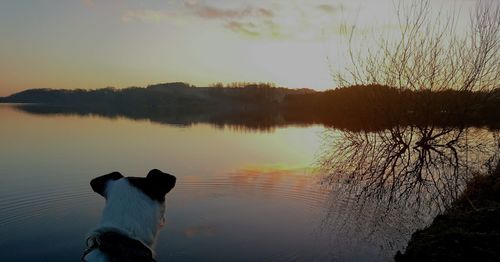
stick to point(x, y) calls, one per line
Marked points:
point(133, 215)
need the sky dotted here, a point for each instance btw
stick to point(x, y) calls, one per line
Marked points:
point(96, 43)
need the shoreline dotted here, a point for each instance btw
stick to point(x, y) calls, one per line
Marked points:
point(467, 231)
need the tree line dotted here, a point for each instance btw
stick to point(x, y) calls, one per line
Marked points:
point(354, 107)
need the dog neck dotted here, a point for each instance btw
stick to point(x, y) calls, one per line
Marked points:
point(110, 244)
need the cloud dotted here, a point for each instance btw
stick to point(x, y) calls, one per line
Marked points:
point(249, 20)
point(212, 12)
point(314, 20)
point(245, 28)
point(216, 13)
point(265, 12)
point(328, 8)
point(145, 15)
point(311, 20)
point(266, 28)
point(232, 18)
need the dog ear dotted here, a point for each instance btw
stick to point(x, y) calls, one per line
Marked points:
point(98, 184)
point(160, 183)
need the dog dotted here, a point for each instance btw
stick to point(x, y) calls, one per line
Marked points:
point(132, 217)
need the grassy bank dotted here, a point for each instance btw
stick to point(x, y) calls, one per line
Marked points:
point(468, 231)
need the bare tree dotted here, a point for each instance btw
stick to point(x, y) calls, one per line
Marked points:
point(431, 54)
point(392, 180)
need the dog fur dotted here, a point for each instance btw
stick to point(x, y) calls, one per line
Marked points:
point(135, 207)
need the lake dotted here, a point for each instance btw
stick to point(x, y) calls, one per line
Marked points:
point(284, 193)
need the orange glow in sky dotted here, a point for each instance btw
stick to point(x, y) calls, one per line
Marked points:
point(122, 43)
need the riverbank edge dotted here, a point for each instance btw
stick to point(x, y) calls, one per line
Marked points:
point(467, 231)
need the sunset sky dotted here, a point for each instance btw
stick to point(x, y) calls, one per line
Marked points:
point(121, 43)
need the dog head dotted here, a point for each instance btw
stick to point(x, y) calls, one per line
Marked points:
point(134, 205)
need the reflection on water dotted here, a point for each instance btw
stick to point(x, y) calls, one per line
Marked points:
point(241, 119)
point(387, 184)
point(257, 214)
point(293, 184)
point(240, 196)
point(232, 193)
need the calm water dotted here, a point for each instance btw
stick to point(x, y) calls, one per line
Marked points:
point(241, 195)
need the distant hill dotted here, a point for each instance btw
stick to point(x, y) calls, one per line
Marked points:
point(164, 95)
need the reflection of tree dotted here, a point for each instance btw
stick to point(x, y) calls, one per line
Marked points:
point(238, 119)
point(386, 184)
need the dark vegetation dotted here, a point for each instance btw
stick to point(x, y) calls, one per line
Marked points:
point(174, 95)
point(262, 106)
point(384, 107)
point(468, 231)
point(240, 105)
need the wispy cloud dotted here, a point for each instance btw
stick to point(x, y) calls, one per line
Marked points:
point(308, 20)
point(328, 8)
point(266, 28)
point(246, 28)
point(216, 13)
point(265, 12)
point(213, 12)
point(248, 20)
point(271, 19)
point(146, 15)
point(203, 11)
